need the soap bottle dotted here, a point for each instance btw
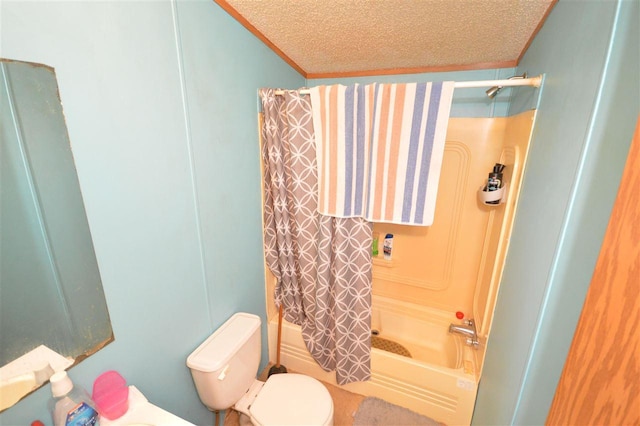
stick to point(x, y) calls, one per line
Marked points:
point(70, 405)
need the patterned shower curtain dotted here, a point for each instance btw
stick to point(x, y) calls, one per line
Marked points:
point(322, 263)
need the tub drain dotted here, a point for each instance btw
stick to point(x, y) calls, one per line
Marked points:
point(389, 346)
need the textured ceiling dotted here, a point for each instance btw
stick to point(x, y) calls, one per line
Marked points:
point(324, 38)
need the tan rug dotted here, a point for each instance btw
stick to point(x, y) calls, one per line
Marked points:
point(375, 411)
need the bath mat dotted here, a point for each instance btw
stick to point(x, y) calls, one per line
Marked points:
point(374, 411)
point(389, 346)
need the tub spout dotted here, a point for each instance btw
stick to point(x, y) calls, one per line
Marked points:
point(468, 329)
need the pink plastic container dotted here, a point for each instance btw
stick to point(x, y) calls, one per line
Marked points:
point(111, 395)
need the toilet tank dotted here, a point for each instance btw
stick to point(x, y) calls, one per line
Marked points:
point(225, 365)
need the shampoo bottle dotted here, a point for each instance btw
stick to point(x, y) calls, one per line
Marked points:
point(388, 245)
point(70, 405)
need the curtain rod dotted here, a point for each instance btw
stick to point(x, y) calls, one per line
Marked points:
point(531, 81)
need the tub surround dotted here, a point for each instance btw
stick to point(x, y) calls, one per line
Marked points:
point(446, 265)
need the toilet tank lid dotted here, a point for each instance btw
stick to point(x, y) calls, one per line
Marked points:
point(215, 352)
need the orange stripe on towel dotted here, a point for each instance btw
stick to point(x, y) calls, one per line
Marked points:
point(333, 149)
point(382, 132)
point(392, 161)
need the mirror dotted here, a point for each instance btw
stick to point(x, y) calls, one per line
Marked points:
point(50, 288)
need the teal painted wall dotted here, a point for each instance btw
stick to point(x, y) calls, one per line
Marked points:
point(160, 100)
point(587, 113)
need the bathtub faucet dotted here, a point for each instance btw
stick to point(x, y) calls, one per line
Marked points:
point(468, 329)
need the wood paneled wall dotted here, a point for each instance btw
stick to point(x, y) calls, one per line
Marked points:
point(600, 384)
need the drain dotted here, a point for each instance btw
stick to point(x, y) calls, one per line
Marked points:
point(388, 345)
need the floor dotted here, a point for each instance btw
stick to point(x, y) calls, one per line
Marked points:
point(345, 405)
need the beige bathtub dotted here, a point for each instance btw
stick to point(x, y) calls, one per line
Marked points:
point(439, 381)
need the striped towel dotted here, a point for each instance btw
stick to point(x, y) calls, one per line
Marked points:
point(379, 149)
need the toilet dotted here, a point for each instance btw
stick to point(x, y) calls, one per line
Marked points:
point(224, 369)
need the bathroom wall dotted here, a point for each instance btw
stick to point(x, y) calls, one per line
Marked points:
point(589, 51)
point(160, 100)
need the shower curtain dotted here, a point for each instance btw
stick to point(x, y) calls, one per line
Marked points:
point(322, 263)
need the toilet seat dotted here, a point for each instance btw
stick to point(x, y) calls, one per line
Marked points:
point(292, 399)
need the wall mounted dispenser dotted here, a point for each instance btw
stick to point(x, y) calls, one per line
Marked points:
point(494, 191)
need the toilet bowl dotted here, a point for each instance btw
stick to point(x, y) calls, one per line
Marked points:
point(224, 369)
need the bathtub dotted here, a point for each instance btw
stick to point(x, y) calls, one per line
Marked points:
point(440, 380)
